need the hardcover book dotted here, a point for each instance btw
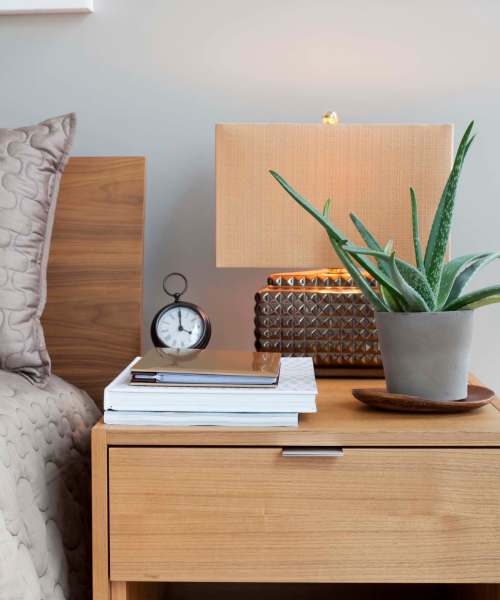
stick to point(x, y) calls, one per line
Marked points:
point(206, 367)
point(200, 419)
point(295, 392)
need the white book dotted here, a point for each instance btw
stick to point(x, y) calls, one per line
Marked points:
point(296, 392)
point(182, 419)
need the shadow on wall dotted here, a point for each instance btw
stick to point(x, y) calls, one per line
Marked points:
point(188, 246)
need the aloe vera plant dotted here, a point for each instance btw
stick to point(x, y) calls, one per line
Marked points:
point(431, 284)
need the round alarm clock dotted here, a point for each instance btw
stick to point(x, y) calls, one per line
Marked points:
point(180, 324)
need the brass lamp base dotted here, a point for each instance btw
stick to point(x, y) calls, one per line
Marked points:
point(321, 314)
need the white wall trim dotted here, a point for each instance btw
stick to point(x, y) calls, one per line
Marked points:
point(18, 7)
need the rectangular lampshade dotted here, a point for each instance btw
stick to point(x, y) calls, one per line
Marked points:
point(365, 169)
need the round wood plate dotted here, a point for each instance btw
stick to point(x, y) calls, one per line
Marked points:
point(379, 398)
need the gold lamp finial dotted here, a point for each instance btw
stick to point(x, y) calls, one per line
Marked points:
point(330, 118)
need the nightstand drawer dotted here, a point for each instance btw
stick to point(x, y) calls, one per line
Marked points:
point(252, 514)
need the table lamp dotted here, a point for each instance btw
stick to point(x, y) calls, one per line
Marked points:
point(366, 169)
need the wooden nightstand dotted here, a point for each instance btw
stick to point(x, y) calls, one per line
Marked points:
point(401, 499)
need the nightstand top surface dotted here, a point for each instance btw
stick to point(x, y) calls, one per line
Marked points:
point(340, 421)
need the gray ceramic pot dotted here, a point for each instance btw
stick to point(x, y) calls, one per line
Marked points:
point(426, 354)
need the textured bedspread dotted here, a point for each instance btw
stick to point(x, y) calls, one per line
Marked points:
point(44, 490)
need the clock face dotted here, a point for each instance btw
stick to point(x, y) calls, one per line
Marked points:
point(180, 327)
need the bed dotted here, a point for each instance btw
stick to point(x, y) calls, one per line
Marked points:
point(93, 326)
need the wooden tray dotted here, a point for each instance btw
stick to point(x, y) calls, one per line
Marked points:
point(379, 398)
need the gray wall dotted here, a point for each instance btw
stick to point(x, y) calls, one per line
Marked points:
point(152, 77)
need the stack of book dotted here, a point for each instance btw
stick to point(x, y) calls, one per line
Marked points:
point(207, 387)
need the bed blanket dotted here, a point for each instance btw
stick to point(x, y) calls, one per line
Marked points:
point(45, 518)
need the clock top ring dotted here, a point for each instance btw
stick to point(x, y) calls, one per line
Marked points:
point(175, 295)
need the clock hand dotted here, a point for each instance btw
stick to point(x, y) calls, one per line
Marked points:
point(181, 328)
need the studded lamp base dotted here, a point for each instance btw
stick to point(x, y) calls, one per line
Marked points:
point(320, 314)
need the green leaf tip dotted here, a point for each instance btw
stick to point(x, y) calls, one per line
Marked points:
point(419, 261)
point(441, 226)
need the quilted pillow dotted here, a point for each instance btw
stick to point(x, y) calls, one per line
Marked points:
point(32, 160)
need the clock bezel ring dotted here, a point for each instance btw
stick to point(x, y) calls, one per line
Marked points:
point(207, 327)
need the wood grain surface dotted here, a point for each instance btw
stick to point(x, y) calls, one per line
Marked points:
point(249, 514)
point(100, 531)
point(119, 590)
point(93, 319)
point(340, 421)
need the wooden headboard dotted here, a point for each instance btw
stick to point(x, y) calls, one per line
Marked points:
point(93, 318)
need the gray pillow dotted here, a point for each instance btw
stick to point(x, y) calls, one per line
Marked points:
point(32, 160)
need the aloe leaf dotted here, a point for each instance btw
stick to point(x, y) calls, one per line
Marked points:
point(310, 208)
point(462, 150)
point(419, 261)
point(369, 240)
point(412, 299)
point(377, 274)
point(327, 207)
point(388, 291)
point(464, 277)
point(358, 278)
point(490, 299)
point(451, 272)
point(469, 143)
point(418, 282)
point(360, 281)
point(390, 299)
point(413, 276)
point(440, 230)
point(482, 297)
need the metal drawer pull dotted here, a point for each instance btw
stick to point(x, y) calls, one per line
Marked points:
point(312, 452)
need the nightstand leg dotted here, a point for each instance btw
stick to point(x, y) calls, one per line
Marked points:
point(100, 558)
point(118, 590)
